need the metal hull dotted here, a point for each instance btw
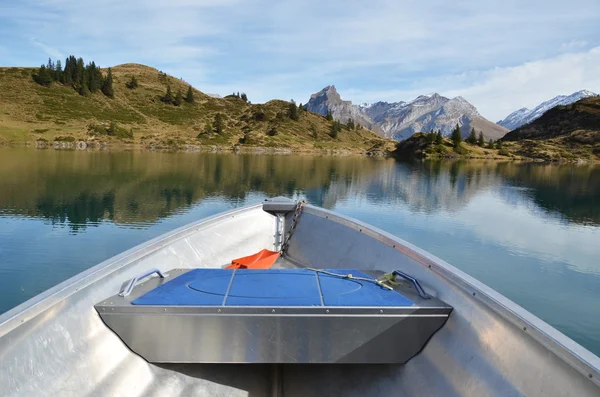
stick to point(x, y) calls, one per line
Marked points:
point(186, 331)
point(56, 343)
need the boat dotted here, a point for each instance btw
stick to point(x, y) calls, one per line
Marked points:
point(283, 298)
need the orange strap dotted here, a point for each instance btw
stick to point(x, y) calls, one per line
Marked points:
point(261, 260)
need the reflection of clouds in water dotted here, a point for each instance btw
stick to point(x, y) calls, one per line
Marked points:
point(428, 187)
point(517, 226)
point(482, 200)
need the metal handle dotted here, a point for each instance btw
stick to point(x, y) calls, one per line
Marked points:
point(133, 282)
point(414, 282)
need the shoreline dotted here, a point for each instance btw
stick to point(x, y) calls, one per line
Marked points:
point(83, 146)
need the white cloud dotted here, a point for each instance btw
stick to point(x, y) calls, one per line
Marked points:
point(50, 51)
point(517, 227)
point(378, 50)
point(573, 45)
point(499, 91)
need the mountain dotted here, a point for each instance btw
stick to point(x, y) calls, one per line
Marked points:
point(565, 132)
point(523, 116)
point(402, 119)
point(328, 99)
point(57, 115)
point(399, 120)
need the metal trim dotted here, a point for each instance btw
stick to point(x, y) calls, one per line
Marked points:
point(134, 281)
point(286, 310)
point(52, 296)
point(577, 356)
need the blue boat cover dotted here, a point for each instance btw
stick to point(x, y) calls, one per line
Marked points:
point(271, 288)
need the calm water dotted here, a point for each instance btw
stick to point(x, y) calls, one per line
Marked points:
point(530, 231)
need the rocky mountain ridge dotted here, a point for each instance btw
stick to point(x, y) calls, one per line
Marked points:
point(524, 116)
point(400, 120)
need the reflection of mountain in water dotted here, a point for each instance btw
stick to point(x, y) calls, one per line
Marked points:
point(133, 187)
point(569, 191)
point(82, 189)
point(433, 186)
point(84, 208)
point(573, 191)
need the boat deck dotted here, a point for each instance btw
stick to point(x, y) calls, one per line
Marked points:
point(275, 316)
point(273, 288)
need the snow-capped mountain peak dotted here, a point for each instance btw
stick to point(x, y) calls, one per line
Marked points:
point(524, 116)
point(585, 93)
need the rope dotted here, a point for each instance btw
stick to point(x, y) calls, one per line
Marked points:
point(351, 277)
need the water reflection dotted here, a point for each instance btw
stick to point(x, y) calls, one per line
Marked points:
point(528, 230)
point(80, 189)
point(84, 188)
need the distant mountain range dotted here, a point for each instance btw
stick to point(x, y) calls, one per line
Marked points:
point(399, 120)
point(524, 116)
point(567, 132)
point(580, 121)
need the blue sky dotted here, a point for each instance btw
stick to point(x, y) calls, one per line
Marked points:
point(499, 55)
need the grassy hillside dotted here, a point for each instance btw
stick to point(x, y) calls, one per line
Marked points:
point(419, 146)
point(30, 113)
point(564, 133)
point(570, 132)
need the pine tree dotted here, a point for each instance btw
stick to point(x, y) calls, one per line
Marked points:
point(178, 98)
point(472, 139)
point(58, 72)
point(93, 80)
point(50, 65)
point(456, 136)
point(313, 131)
point(107, 85)
point(350, 124)
point(490, 144)
point(69, 71)
point(481, 140)
point(498, 144)
point(329, 116)
point(132, 84)
point(293, 111)
point(429, 137)
point(439, 138)
point(244, 97)
point(219, 123)
point(336, 127)
point(79, 76)
point(189, 96)
point(43, 76)
point(168, 97)
point(84, 89)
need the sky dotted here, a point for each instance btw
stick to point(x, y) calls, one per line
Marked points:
point(499, 55)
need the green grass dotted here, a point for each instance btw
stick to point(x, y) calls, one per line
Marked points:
point(14, 135)
point(28, 106)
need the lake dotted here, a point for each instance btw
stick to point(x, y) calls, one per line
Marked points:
point(531, 231)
